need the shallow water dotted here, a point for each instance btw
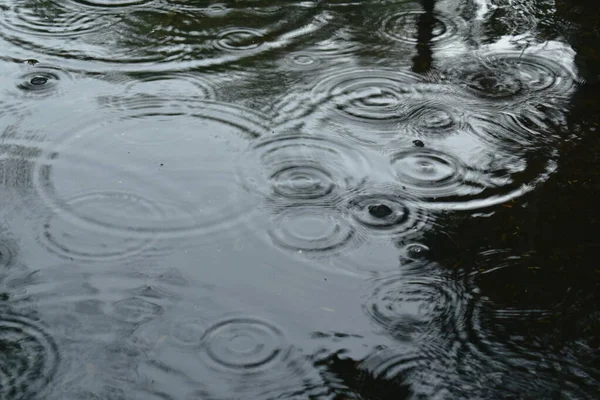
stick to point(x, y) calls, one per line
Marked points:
point(298, 200)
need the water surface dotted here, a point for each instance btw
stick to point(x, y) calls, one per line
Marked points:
point(298, 200)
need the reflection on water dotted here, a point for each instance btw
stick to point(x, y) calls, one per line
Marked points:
point(293, 200)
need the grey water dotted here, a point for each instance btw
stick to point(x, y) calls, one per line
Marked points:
point(254, 199)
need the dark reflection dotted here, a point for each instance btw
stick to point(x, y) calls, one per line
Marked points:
point(422, 61)
point(353, 379)
point(29, 355)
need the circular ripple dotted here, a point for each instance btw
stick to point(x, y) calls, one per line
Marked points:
point(29, 357)
point(171, 85)
point(428, 173)
point(510, 74)
point(415, 251)
point(370, 103)
point(297, 167)
point(404, 27)
point(433, 120)
point(244, 345)
point(306, 229)
point(303, 61)
point(70, 240)
point(239, 39)
point(41, 81)
point(180, 159)
point(388, 213)
point(413, 307)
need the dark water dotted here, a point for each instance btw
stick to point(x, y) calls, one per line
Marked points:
point(299, 200)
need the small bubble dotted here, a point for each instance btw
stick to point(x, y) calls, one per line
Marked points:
point(38, 80)
point(379, 210)
point(415, 251)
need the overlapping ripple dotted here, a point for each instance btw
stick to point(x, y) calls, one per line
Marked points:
point(129, 32)
point(513, 76)
point(124, 152)
point(413, 307)
point(71, 240)
point(379, 107)
point(30, 357)
point(302, 168)
point(444, 181)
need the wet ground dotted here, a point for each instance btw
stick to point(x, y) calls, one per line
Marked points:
point(299, 200)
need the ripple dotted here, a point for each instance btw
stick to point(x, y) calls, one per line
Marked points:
point(112, 3)
point(423, 307)
point(512, 74)
point(171, 85)
point(428, 173)
point(387, 212)
point(433, 119)
point(8, 252)
point(126, 152)
point(404, 27)
point(54, 22)
point(42, 81)
point(216, 10)
point(30, 357)
point(75, 241)
point(301, 167)
point(370, 103)
point(141, 35)
point(244, 345)
point(188, 332)
point(526, 129)
point(483, 176)
point(313, 230)
point(239, 39)
point(136, 310)
point(415, 252)
point(303, 61)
